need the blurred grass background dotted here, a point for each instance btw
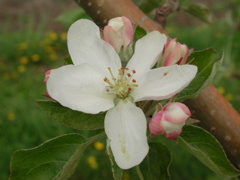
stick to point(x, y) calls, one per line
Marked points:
point(32, 42)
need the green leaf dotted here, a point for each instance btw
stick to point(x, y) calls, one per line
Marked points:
point(74, 119)
point(148, 5)
point(207, 149)
point(68, 60)
point(116, 170)
point(200, 11)
point(139, 33)
point(185, 2)
point(156, 164)
point(55, 159)
point(208, 63)
point(70, 16)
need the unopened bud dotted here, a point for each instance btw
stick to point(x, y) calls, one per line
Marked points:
point(119, 33)
point(175, 53)
point(170, 120)
point(47, 74)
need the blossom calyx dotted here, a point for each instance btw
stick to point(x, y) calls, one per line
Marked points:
point(175, 53)
point(170, 120)
point(119, 33)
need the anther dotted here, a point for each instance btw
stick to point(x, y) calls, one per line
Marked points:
point(105, 79)
point(129, 75)
point(133, 71)
point(129, 89)
point(134, 81)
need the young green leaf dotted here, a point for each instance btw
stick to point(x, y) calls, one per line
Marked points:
point(208, 63)
point(139, 33)
point(185, 2)
point(68, 60)
point(148, 5)
point(70, 16)
point(55, 159)
point(156, 165)
point(116, 170)
point(207, 149)
point(74, 119)
point(200, 11)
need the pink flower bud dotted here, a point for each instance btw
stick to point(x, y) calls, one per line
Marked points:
point(175, 53)
point(47, 74)
point(119, 33)
point(170, 120)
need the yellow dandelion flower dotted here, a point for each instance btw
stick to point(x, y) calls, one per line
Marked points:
point(2, 65)
point(221, 90)
point(23, 46)
point(104, 173)
point(53, 56)
point(49, 49)
point(92, 161)
point(11, 116)
point(227, 75)
point(64, 36)
point(218, 35)
point(35, 57)
point(14, 75)
point(23, 60)
point(42, 43)
point(229, 97)
point(21, 68)
point(53, 36)
point(6, 76)
point(99, 145)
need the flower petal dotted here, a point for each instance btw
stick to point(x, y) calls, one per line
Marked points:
point(125, 126)
point(147, 51)
point(164, 82)
point(86, 46)
point(79, 88)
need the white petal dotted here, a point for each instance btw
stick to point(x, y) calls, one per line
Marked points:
point(164, 82)
point(147, 51)
point(79, 88)
point(86, 46)
point(125, 126)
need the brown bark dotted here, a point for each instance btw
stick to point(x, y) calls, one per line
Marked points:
point(210, 107)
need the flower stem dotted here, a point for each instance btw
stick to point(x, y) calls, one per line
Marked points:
point(139, 173)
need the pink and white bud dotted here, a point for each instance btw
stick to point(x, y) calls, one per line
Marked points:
point(175, 53)
point(119, 33)
point(47, 74)
point(170, 120)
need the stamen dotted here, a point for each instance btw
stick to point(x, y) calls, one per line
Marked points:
point(105, 79)
point(123, 85)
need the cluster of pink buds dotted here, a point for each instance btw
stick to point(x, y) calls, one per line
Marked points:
point(175, 53)
point(170, 120)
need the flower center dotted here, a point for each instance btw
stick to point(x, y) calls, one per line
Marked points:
point(123, 85)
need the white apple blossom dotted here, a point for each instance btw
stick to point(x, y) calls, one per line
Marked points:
point(97, 82)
